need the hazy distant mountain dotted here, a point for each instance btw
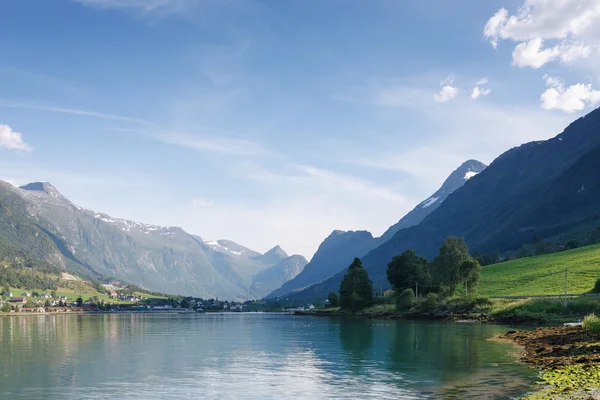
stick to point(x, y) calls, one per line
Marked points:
point(456, 180)
point(273, 277)
point(339, 249)
point(41, 221)
point(546, 190)
point(335, 253)
point(273, 256)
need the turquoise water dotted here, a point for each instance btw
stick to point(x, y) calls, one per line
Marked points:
point(252, 356)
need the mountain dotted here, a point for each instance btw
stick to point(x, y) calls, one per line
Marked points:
point(273, 256)
point(455, 181)
point(38, 219)
point(271, 278)
point(335, 253)
point(546, 190)
point(339, 249)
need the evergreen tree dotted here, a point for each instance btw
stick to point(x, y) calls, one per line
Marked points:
point(356, 290)
point(334, 300)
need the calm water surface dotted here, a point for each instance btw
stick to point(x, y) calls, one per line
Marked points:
point(252, 356)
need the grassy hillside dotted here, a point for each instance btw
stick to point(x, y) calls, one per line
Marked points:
point(543, 275)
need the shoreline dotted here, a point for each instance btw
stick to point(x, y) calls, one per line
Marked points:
point(568, 359)
point(466, 318)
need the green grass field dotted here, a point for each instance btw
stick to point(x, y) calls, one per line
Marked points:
point(543, 275)
point(83, 289)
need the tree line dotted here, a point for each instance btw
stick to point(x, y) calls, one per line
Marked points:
point(408, 273)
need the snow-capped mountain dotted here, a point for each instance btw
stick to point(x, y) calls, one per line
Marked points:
point(38, 219)
point(457, 179)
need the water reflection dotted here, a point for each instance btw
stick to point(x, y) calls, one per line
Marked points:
point(247, 356)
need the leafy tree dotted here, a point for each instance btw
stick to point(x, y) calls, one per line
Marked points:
point(571, 244)
point(488, 258)
point(184, 303)
point(53, 294)
point(405, 270)
point(405, 300)
point(447, 266)
point(334, 300)
point(47, 304)
point(594, 236)
point(79, 301)
point(470, 273)
point(356, 290)
point(5, 289)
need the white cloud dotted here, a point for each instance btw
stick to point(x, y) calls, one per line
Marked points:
point(73, 111)
point(145, 6)
point(213, 144)
point(482, 81)
point(531, 54)
point(574, 98)
point(12, 140)
point(479, 92)
point(447, 93)
point(572, 24)
point(552, 81)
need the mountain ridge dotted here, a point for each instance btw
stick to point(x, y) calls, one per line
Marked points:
point(96, 245)
point(530, 192)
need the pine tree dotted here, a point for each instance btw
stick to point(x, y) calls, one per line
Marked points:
point(356, 290)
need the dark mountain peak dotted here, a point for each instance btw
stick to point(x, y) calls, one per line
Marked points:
point(336, 234)
point(466, 171)
point(45, 187)
point(455, 181)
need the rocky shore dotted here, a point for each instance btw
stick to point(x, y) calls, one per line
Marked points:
point(568, 359)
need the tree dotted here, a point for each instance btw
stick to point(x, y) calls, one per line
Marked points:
point(470, 273)
point(5, 289)
point(356, 289)
point(571, 244)
point(407, 269)
point(334, 300)
point(79, 301)
point(184, 303)
point(597, 286)
point(448, 264)
point(53, 294)
point(47, 303)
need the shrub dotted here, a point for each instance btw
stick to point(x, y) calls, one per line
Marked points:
point(405, 300)
point(591, 323)
point(597, 286)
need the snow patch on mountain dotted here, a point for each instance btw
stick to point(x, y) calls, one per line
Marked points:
point(470, 174)
point(430, 201)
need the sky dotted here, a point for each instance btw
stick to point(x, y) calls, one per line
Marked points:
point(276, 122)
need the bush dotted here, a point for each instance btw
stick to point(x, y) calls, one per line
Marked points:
point(591, 323)
point(405, 300)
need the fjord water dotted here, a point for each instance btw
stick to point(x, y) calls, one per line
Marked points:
point(252, 356)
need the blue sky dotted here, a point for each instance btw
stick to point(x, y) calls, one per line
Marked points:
point(275, 122)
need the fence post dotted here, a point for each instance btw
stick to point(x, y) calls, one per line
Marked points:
point(566, 283)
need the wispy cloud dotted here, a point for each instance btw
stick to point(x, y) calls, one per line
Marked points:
point(204, 143)
point(12, 140)
point(73, 111)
